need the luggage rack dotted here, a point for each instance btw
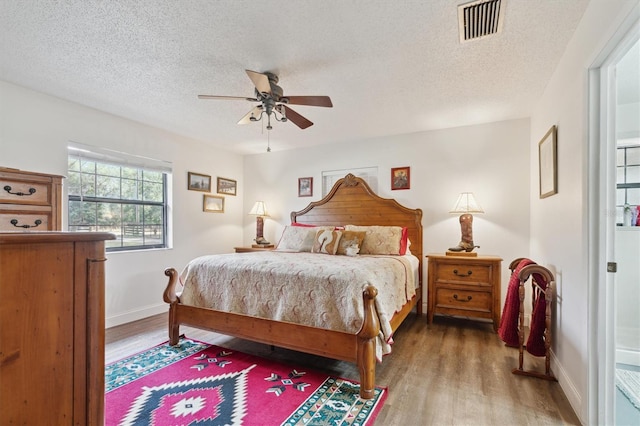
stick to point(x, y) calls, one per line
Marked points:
point(539, 276)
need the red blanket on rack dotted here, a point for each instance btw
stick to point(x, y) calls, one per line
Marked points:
point(508, 330)
point(535, 342)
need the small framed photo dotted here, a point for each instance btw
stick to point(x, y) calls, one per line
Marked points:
point(400, 178)
point(548, 163)
point(213, 203)
point(305, 187)
point(199, 182)
point(227, 186)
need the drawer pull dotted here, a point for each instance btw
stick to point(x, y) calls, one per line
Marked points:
point(20, 194)
point(455, 296)
point(455, 271)
point(14, 222)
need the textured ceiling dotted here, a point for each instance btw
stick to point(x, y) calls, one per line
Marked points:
point(389, 67)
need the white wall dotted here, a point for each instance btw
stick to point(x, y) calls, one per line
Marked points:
point(34, 132)
point(491, 160)
point(559, 234)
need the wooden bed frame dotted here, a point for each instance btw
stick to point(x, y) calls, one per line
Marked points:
point(350, 201)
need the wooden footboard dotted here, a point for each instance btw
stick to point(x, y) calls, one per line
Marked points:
point(359, 348)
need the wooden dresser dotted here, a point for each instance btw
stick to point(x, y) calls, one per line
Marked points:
point(52, 328)
point(30, 201)
point(464, 286)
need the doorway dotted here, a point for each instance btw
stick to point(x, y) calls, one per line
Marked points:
point(615, 320)
point(627, 237)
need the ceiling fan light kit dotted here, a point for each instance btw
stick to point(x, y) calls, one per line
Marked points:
point(273, 102)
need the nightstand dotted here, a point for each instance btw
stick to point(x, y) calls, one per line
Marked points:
point(250, 249)
point(464, 286)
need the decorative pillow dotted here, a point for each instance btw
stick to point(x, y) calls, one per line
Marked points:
point(351, 239)
point(298, 238)
point(326, 241)
point(382, 239)
point(404, 242)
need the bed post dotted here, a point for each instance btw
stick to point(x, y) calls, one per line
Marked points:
point(367, 344)
point(171, 298)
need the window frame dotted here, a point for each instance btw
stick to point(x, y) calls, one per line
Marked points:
point(122, 160)
point(625, 186)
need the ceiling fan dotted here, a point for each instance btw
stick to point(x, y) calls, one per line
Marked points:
point(273, 102)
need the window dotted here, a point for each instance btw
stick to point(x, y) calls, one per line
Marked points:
point(111, 194)
point(628, 177)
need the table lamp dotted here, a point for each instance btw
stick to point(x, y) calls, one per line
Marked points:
point(259, 210)
point(466, 205)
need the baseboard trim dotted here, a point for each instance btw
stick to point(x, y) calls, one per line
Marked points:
point(568, 387)
point(135, 315)
point(628, 357)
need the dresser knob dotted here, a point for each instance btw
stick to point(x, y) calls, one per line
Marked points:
point(455, 271)
point(19, 194)
point(459, 299)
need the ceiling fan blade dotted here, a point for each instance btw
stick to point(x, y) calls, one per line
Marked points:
point(321, 101)
point(255, 112)
point(261, 81)
point(227, 98)
point(294, 117)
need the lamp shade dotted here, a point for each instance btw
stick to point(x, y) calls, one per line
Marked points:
point(259, 209)
point(466, 203)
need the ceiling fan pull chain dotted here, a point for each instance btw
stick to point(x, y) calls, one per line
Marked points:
point(268, 141)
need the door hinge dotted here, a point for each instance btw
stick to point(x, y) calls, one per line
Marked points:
point(612, 267)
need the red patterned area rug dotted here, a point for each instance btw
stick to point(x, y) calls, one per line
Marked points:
point(196, 383)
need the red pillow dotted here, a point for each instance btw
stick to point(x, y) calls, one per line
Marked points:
point(403, 241)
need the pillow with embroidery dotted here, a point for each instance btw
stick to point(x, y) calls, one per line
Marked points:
point(298, 238)
point(350, 242)
point(326, 241)
point(382, 239)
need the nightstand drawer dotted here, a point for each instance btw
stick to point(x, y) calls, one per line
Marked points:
point(464, 286)
point(461, 273)
point(477, 301)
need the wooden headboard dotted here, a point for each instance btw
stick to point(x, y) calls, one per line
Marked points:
point(352, 202)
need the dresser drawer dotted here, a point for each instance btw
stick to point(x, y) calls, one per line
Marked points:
point(25, 221)
point(35, 193)
point(33, 200)
point(461, 273)
point(456, 299)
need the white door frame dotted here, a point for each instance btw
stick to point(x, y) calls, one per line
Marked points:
point(601, 222)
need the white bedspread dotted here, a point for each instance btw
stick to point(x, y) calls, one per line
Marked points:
point(318, 290)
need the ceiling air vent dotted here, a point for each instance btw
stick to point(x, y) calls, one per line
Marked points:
point(480, 19)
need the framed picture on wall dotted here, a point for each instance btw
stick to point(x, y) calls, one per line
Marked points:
point(198, 182)
point(305, 187)
point(401, 178)
point(213, 203)
point(227, 186)
point(548, 163)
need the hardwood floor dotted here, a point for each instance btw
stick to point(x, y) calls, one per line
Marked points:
point(452, 372)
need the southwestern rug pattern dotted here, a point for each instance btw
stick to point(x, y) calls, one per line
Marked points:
point(195, 383)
